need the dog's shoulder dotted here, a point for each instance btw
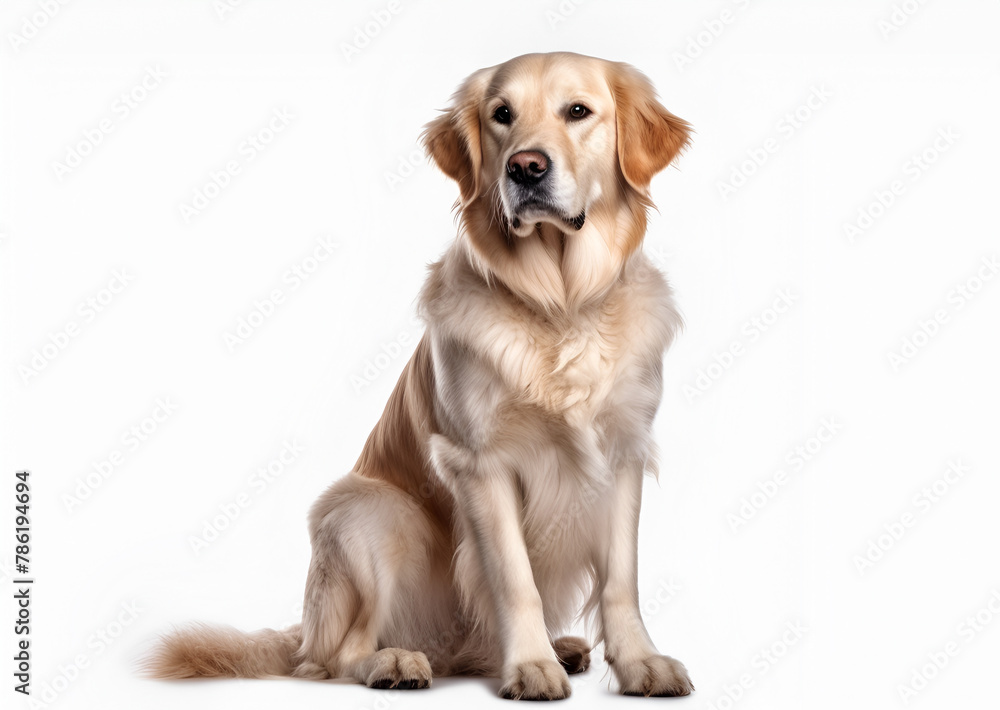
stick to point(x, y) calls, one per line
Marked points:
point(645, 300)
point(460, 302)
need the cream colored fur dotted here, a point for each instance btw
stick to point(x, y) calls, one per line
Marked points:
point(498, 496)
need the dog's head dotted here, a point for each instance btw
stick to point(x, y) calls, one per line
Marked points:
point(554, 139)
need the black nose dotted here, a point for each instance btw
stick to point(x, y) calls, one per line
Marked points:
point(527, 167)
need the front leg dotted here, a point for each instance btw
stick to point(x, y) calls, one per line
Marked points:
point(638, 666)
point(489, 503)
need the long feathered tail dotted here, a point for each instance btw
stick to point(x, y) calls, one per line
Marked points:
point(200, 651)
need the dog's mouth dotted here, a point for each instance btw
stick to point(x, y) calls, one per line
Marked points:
point(534, 212)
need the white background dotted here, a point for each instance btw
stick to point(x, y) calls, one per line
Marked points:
point(714, 592)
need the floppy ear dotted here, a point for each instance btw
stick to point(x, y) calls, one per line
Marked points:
point(649, 136)
point(452, 139)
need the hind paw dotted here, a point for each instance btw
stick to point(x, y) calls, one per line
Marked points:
point(573, 653)
point(398, 669)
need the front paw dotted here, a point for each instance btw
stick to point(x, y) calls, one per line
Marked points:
point(653, 676)
point(535, 680)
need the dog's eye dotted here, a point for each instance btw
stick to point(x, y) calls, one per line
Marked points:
point(502, 115)
point(578, 111)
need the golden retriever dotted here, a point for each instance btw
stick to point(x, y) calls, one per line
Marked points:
point(497, 499)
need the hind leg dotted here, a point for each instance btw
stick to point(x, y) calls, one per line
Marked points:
point(363, 612)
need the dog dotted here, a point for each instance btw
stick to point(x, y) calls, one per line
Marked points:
point(497, 498)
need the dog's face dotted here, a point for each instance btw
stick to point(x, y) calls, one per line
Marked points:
point(548, 140)
point(546, 137)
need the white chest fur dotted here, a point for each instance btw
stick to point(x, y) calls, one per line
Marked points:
point(492, 351)
point(578, 366)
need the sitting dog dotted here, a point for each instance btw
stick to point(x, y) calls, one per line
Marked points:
point(497, 498)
